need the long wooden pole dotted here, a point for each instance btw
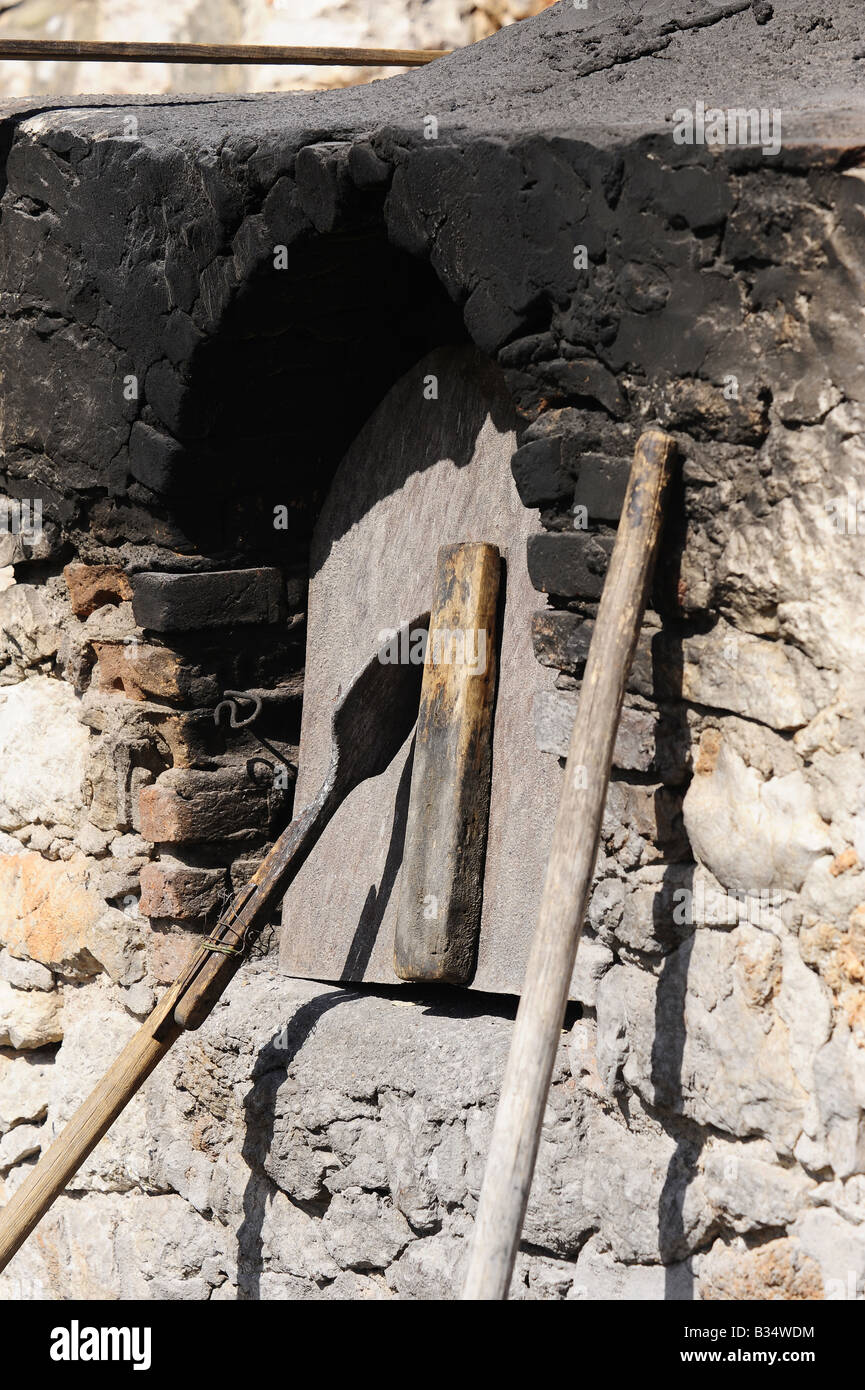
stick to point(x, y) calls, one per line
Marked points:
point(279, 55)
point(517, 1128)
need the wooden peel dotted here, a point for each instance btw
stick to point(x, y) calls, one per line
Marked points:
point(370, 724)
point(441, 892)
point(517, 1128)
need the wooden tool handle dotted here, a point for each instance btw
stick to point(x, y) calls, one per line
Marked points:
point(441, 889)
point(93, 1118)
point(185, 1005)
point(209, 978)
point(517, 1128)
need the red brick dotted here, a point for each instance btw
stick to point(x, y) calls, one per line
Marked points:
point(178, 891)
point(137, 669)
point(91, 586)
point(193, 807)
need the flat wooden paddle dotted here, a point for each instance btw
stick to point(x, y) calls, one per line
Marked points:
point(517, 1129)
point(370, 723)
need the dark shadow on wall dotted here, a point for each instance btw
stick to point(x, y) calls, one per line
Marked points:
point(668, 1051)
point(367, 929)
point(670, 1036)
point(260, 1110)
point(280, 389)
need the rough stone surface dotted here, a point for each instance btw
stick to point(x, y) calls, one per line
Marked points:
point(25, 1087)
point(49, 914)
point(24, 974)
point(705, 1132)
point(176, 890)
point(43, 750)
point(184, 602)
point(29, 1019)
point(191, 806)
point(92, 586)
point(539, 472)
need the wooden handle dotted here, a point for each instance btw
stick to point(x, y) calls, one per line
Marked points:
point(44, 1184)
point(185, 1005)
point(446, 830)
point(211, 976)
point(517, 1128)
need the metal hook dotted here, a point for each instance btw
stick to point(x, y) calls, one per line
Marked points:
point(229, 702)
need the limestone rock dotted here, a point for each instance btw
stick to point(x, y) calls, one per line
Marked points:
point(293, 1242)
point(747, 1185)
point(593, 961)
point(26, 1083)
point(597, 1276)
point(768, 681)
point(363, 1231)
point(24, 1141)
point(43, 749)
point(839, 1088)
point(24, 974)
point(430, 1269)
point(637, 1190)
point(29, 1019)
point(29, 628)
point(49, 915)
point(689, 1040)
point(838, 1249)
point(780, 1269)
point(108, 1246)
point(749, 833)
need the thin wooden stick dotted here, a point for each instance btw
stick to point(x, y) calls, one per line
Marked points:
point(517, 1128)
point(80, 51)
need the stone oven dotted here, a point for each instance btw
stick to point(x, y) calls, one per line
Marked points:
point(203, 300)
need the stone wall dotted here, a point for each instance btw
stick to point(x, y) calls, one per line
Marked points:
point(704, 1137)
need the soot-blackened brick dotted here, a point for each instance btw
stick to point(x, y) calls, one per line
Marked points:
point(570, 564)
point(584, 379)
point(601, 484)
point(539, 473)
point(186, 602)
point(561, 639)
point(365, 167)
point(324, 185)
point(158, 461)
